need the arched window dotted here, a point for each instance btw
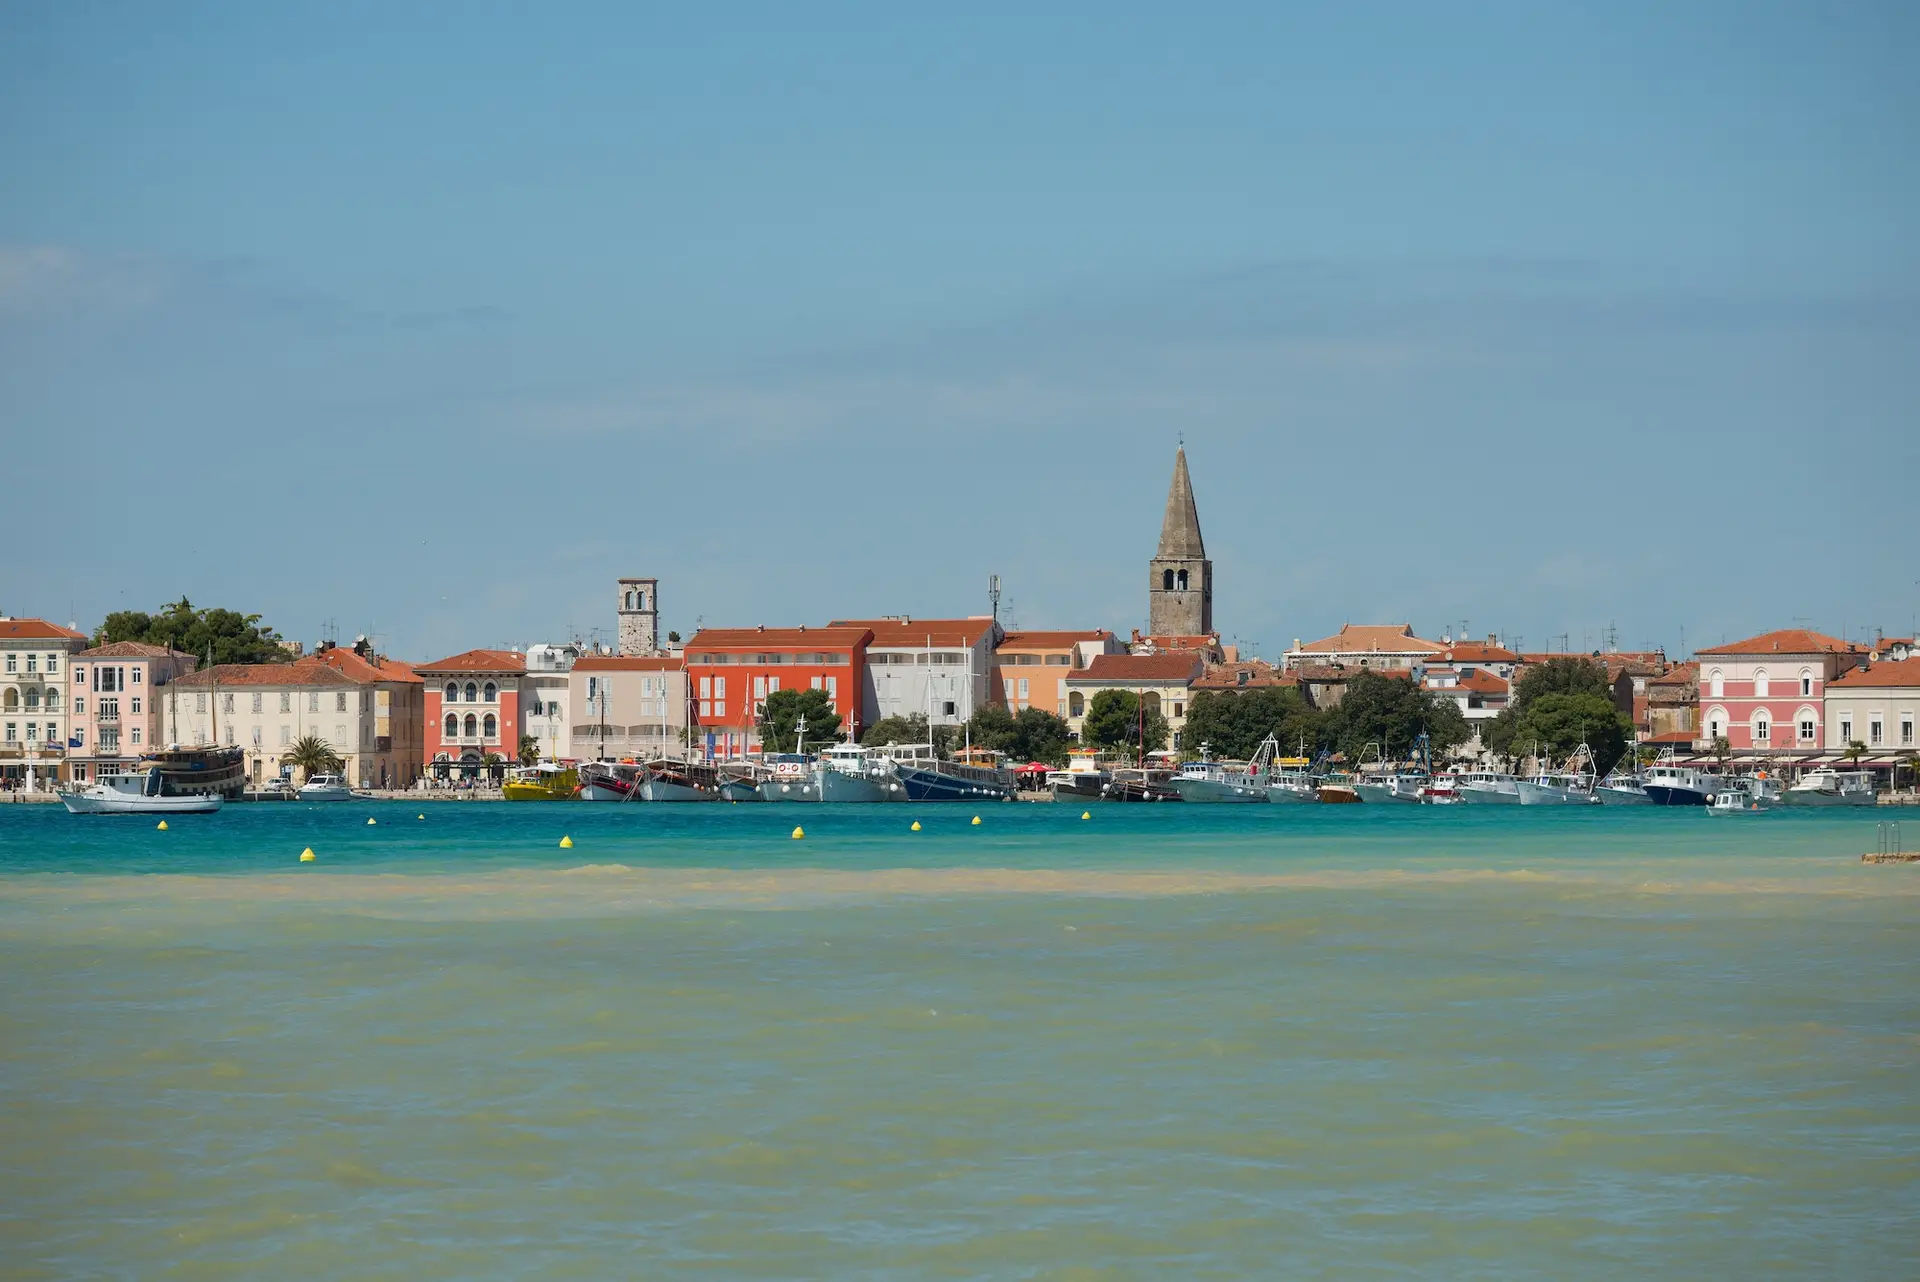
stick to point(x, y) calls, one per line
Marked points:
point(12, 700)
point(473, 726)
point(493, 692)
point(491, 726)
point(473, 693)
point(1806, 682)
point(1151, 700)
point(1180, 580)
point(629, 598)
point(33, 697)
point(1809, 723)
point(1166, 580)
point(1716, 685)
point(1760, 683)
point(1716, 722)
point(453, 725)
point(1076, 704)
point(453, 693)
point(1762, 730)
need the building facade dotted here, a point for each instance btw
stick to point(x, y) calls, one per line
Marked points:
point(1180, 577)
point(1030, 669)
point(547, 699)
point(1877, 706)
point(940, 669)
point(119, 703)
point(35, 657)
point(627, 707)
point(1164, 682)
point(1764, 695)
point(1392, 647)
point(637, 607)
point(733, 670)
point(473, 712)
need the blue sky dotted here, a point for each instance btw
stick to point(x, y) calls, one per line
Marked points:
point(433, 319)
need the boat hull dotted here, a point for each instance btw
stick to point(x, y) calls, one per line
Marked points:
point(534, 792)
point(1133, 791)
point(1675, 795)
point(1338, 794)
point(921, 783)
point(1383, 793)
point(802, 788)
point(1218, 791)
point(1535, 794)
point(1622, 796)
point(324, 794)
point(1287, 794)
point(839, 786)
point(79, 803)
point(1488, 796)
point(658, 789)
point(1812, 798)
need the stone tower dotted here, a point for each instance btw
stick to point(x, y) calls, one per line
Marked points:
point(639, 614)
point(1180, 579)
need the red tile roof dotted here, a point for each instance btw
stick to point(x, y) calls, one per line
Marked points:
point(1227, 676)
point(477, 661)
point(1681, 674)
point(1371, 638)
point(628, 663)
point(828, 638)
point(130, 650)
point(1475, 652)
point(1049, 640)
point(349, 664)
point(893, 634)
point(1181, 665)
point(1481, 683)
point(1904, 673)
point(1787, 641)
point(37, 630)
point(301, 672)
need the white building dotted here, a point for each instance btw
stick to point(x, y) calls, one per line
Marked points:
point(1878, 706)
point(544, 697)
point(941, 669)
point(33, 705)
point(1372, 646)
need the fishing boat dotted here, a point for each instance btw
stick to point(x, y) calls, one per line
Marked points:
point(543, 781)
point(923, 776)
point(1570, 785)
point(325, 788)
point(848, 772)
point(1487, 788)
point(1670, 784)
point(1623, 787)
point(1214, 782)
point(1292, 781)
point(611, 780)
point(1405, 784)
point(136, 793)
point(673, 780)
point(1740, 797)
point(1084, 779)
point(1441, 790)
point(1337, 790)
point(789, 777)
point(739, 780)
point(1827, 787)
point(1140, 784)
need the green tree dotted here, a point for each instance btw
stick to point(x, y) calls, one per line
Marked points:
point(781, 714)
point(1571, 675)
point(1233, 722)
point(1559, 723)
point(1392, 712)
point(313, 756)
point(529, 750)
point(1722, 749)
point(1855, 750)
point(1114, 721)
point(230, 636)
point(673, 638)
point(1033, 734)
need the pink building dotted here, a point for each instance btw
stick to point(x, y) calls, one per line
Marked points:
point(115, 701)
point(1766, 694)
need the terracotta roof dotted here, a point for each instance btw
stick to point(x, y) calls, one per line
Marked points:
point(1901, 672)
point(1369, 638)
point(1681, 674)
point(1049, 640)
point(130, 650)
point(627, 663)
point(1478, 683)
point(476, 661)
point(37, 630)
point(1787, 641)
point(828, 638)
point(1227, 676)
point(892, 634)
point(1182, 665)
point(1476, 652)
point(350, 664)
point(302, 672)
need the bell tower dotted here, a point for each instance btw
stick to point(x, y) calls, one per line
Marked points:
point(1180, 578)
point(638, 609)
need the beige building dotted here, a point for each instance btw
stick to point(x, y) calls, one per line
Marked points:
point(1030, 669)
point(117, 705)
point(1372, 646)
point(1163, 682)
point(1878, 706)
point(34, 699)
point(622, 706)
point(369, 709)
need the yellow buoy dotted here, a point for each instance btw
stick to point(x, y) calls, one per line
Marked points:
point(566, 843)
point(306, 856)
point(976, 821)
point(370, 821)
point(1086, 814)
point(163, 825)
point(916, 825)
point(419, 816)
point(798, 833)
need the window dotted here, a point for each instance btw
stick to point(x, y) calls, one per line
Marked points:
point(1762, 730)
point(33, 697)
point(313, 701)
point(453, 726)
point(1760, 683)
point(1076, 704)
point(473, 693)
point(492, 692)
point(759, 688)
point(110, 679)
point(340, 734)
point(79, 736)
point(1023, 689)
point(200, 701)
point(53, 701)
point(1166, 580)
point(947, 708)
point(1180, 580)
point(1806, 729)
point(137, 674)
point(134, 735)
point(79, 704)
point(719, 707)
point(33, 732)
point(53, 663)
point(226, 704)
point(286, 735)
point(339, 701)
point(258, 735)
point(1179, 709)
point(472, 725)
point(1806, 683)
point(286, 701)
point(816, 683)
point(706, 687)
point(13, 663)
point(79, 676)
point(1716, 685)
point(773, 685)
point(833, 689)
point(33, 663)
point(719, 687)
point(453, 693)
point(12, 729)
point(258, 698)
point(706, 707)
point(1876, 731)
point(136, 705)
point(1846, 731)
point(1906, 730)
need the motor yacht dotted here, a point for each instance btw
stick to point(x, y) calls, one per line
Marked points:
point(325, 788)
point(141, 793)
point(1671, 784)
point(544, 781)
point(1832, 788)
point(1083, 780)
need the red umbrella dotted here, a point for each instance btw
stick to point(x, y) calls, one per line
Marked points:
point(1032, 768)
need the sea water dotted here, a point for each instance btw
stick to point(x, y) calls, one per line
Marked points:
point(1163, 1041)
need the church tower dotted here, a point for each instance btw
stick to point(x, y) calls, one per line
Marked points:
point(1180, 578)
point(638, 610)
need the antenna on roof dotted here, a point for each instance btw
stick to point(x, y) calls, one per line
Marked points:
point(993, 594)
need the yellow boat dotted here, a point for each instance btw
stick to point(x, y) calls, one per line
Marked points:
point(548, 781)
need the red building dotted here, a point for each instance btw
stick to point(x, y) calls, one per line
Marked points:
point(733, 670)
point(1764, 695)
point(473, 710)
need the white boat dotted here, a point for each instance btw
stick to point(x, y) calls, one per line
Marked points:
point(1487, 788)
point(325, 788)
point(1441, 790)
point(1557, 788)
point(1207, 780)
point(789, 777)
point(1622, 788)
point(1292, 782)
point(1402, 785)
point(136, 794)
point(1668, 784)
point(1742, 797)
point(1083, 780)
point(611, 780)
point(849, 772)
point(1832, 788)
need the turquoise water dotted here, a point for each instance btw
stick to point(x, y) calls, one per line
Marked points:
point(1166, 1041)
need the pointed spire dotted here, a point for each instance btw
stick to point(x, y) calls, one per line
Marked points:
point(1180, 530)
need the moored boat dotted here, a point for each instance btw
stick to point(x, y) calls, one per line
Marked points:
point(1337, 790)
point(1487, 788)
point(1292, 782)
point(1210, 781)
point(672, 780)
point(923, 776)
point(789, 777)
point(848, 772)
point(543, 781)
point(1668, 784)
point(325, 788)
point(1082, 780)
point(136, 793)
point(611, 780)
point(1622, 788)
point(1142, 784)
point(1828, 787)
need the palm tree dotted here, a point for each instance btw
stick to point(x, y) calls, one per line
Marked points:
point(1722, 749)
point(1854, 752)
point(529, 750)
point(314, 756)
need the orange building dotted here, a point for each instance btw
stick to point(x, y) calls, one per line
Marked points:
point(1030, 669)
point(473, 710)
point(733, 670)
